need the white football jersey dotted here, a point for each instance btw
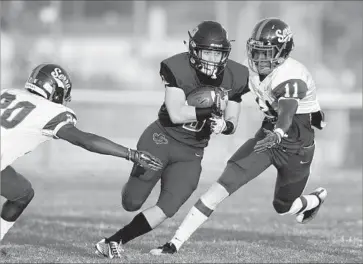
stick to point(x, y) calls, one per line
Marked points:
point(289, 80)
point(27, 120)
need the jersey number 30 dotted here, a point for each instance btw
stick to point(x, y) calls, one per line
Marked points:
point(11, 117)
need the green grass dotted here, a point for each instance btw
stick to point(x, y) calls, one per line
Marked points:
point(69, 214)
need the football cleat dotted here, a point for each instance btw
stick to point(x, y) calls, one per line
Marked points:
point(309, 215)
point(168, 248)
point(108, 249)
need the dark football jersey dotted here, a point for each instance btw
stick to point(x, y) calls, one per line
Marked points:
point(176, 71)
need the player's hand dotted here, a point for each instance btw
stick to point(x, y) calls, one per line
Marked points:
point(270, 140)
point(218, 124)
point(221, 98)
point(145, 160)
point(219, 104)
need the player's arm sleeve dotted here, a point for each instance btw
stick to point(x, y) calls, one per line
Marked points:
point(179, 113)
point(62, 119)
point(288, 94)
point(167, 76)
point(91, 142)
point(285, 113)
point(292, 88)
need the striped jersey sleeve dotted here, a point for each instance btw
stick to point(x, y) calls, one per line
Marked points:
point(60, 120)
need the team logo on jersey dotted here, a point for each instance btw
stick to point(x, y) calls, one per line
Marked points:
point(283, 35)
point(160, 138)
point(70, 119)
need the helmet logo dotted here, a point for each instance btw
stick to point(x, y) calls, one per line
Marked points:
point(60, 78)
point(283, 35)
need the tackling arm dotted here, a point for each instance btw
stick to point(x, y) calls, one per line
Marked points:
point(101, 145)
point(92, 142)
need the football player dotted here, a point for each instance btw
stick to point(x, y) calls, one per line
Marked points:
point(286, 94)
point(35, 115)
point(181, 132)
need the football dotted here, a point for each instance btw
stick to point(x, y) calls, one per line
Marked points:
point(202, 97)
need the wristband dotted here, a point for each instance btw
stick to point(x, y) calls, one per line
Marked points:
point(229, 128)
point(280, 132)
point(203, 113)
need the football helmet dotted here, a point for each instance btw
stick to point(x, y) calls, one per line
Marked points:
point(269, 46)
point(209, 36)
point(50, 81)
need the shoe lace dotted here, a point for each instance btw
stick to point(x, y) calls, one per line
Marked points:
point(115, 248)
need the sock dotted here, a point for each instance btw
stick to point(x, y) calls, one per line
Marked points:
point(199, 213)
point(192, 222)
point(137, 227)
point(5, 227)
point(304, 203)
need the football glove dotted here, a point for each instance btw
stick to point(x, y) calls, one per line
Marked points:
point(271, 139)
point(218, 124)
point(144, 159)
point(221, 99)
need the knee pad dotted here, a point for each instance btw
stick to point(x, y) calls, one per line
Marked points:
point(13, 209)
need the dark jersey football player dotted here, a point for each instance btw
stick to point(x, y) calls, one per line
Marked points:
point(35, 115)
point(286, 94)
point(181, 132)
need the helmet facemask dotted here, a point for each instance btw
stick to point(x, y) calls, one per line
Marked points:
point(263, 58)
point(208, 67)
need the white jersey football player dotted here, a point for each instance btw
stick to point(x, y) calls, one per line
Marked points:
point(35, 115)
point(286, 94)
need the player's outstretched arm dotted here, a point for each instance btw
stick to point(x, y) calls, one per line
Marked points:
point(101, 145)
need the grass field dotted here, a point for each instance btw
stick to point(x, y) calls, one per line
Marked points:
point(69, 214)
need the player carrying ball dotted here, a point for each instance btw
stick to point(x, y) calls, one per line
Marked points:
point(181, 132)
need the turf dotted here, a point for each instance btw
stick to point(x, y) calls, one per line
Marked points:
point(69, 214)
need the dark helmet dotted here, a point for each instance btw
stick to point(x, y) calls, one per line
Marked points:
point(269, 45)
point(209, 35)
point(50, 81)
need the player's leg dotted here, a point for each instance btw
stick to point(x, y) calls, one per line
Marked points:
point(19, 192)
point(136, 191)
point(243, 166)
point(178, 182)
point(291, 181)
point(141, 181)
